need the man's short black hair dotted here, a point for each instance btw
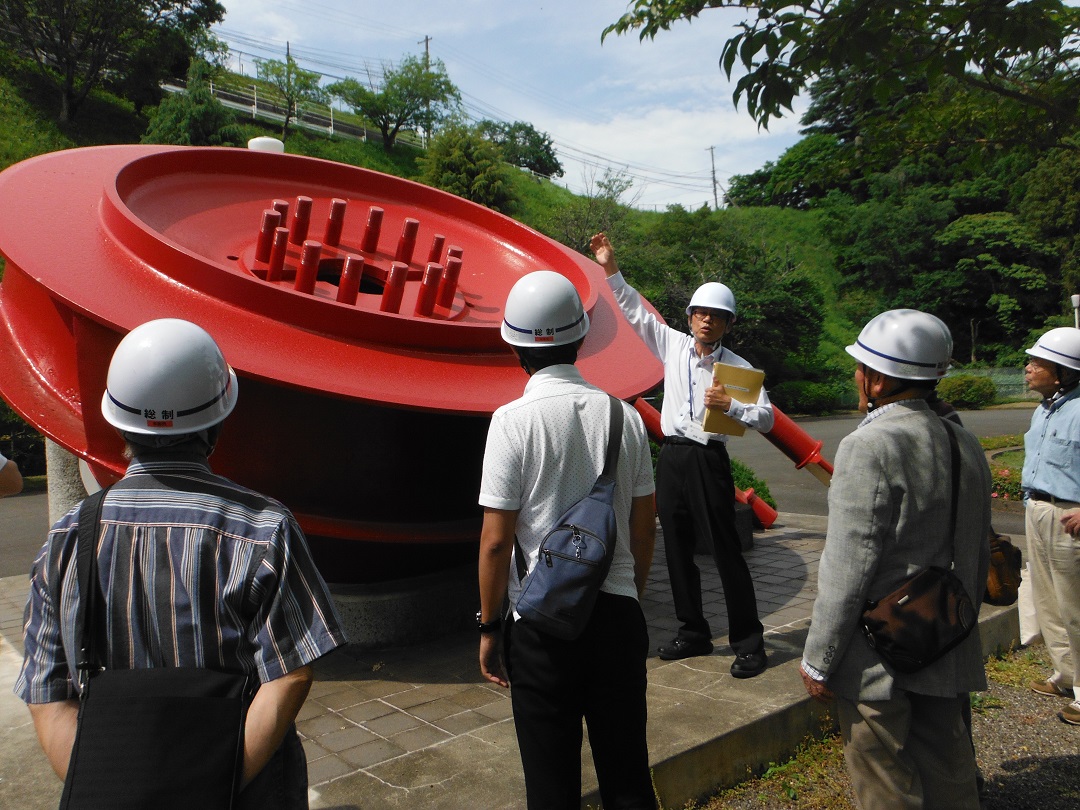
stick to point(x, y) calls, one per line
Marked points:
point(538, 357)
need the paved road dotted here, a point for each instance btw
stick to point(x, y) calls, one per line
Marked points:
point(799, 492)
point(24, 518)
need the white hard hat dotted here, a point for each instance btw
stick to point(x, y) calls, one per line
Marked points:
point(713, 295)
point(168, 377)
point(543, 309)
point(1061, 346)
point(906, 344)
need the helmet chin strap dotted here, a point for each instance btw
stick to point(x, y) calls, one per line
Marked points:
point(872, 402)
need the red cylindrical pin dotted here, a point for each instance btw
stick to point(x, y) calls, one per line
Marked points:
point(282, 207)
point(334, 221)
point(278, 251)
point(351, 273)
point(270, 220)
point(395, 287)
point(309, 267)
point(301, 220)
point(435, 254)
point(448, 283)
point(407, 242)
point(429, 288)
point(371, 232)
point(455, 251)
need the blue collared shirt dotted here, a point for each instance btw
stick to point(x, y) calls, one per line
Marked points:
point(1052, 449)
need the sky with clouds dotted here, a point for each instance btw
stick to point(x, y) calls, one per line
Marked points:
point(650, 110)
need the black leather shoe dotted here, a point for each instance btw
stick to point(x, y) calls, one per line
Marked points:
point(681, 648)
point(747, 665)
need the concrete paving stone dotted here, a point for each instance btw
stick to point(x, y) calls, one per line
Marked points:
point(337, 741)
point(477, 695)
point(371, 753)
point(326, 768)
point(339, 699)
point(465, 722)
point(435, 710)
point(421, 737)
point(323, 724)
point(394, 723)
point(368, 710)
point(497, 709)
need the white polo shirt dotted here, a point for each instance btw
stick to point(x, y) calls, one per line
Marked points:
point(544, 452)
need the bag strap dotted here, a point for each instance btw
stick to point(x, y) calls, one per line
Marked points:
point(954, 453)
point(611, 461)
point(85, 567)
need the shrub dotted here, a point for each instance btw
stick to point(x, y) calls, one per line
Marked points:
point(967, 391)
point(804, 396)
point(746, 479)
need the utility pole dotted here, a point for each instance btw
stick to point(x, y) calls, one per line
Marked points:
point(426, 42)
point(712, 157)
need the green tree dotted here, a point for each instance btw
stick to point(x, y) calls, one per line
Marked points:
point(1051, 207)
point(522, 145)
point(1022, 51)
point(76, 42)
point(194, 117)
point(417, 94)
point(463, 162)
point(601, 206)
point(295, 85)
point(804, 173)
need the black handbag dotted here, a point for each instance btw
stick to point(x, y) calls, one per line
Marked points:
point(167, 737)
point(930, 613)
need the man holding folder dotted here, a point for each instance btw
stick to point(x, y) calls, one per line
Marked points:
point(695, 493)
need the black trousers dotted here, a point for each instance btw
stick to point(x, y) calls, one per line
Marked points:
point(600, 677)
point(695, 499)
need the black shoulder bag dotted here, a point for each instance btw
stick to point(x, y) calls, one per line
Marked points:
point(930, 613)
point(558, 595)
point(163, 737)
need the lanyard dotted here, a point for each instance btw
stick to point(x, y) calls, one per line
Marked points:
point(690, 377)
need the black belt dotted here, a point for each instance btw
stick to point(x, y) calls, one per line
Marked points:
point(1036, 495)
point(691, 442)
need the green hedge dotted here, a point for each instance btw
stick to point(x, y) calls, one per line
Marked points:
point(967, 391)
point(804, 396)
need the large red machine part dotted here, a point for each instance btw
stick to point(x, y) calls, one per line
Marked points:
point(360, 311)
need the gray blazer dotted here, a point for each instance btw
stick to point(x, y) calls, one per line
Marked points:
point(889, 517)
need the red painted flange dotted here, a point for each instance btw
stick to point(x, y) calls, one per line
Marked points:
point(365, 387)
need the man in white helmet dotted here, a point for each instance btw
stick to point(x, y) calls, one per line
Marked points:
point(1051, 483)
point(890, 502)
point(196, 571)
point(544, 452)
point(695, 492)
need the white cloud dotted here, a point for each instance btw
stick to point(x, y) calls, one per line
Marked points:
point(654, 107)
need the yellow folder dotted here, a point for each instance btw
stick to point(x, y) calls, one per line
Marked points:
point(743, 384)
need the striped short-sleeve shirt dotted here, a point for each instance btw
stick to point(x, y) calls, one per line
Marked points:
point(195, 571)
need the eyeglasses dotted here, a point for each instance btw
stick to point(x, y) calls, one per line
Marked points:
point(715, 314)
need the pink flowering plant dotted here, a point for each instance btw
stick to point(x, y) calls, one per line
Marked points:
point(1006, 483)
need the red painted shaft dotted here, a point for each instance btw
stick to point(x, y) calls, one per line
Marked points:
point(301, 221)
point(799, 446)
point(334, 222)
point(395, 287)
point(309, 267)
point(448, 283)
point(372, 230)
point(278, 250)
point(270, 221)
point(429, 289)
point(407, 242)
point(351, 273)
point(435, 253)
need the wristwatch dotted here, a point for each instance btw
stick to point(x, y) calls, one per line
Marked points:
point(488, 627)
